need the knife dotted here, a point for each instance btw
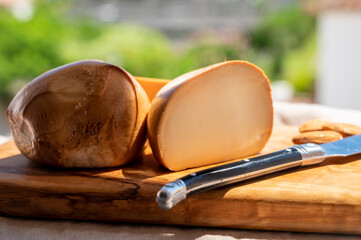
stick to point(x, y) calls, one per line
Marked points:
point(297, 156)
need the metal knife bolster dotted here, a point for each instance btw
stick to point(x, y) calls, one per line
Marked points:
point(299, 155)
point(311, 153)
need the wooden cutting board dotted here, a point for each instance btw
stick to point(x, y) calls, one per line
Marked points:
point(326, 198)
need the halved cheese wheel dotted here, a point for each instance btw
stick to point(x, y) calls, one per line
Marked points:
point(210, 115)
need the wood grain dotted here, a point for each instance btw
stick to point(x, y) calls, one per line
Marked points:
point(315, 199)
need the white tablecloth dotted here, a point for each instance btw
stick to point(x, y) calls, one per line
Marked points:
point(285, 113)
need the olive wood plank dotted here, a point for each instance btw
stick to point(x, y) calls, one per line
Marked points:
point(326, 198)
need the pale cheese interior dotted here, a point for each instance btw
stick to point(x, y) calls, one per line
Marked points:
point(223, 114)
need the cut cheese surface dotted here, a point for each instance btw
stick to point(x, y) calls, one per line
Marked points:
point(210, 115)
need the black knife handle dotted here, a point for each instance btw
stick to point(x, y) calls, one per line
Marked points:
point(241, 170)
point(300, 155)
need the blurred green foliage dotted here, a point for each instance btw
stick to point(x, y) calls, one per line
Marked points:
point(287, 37)
point(51, 38)
point(299, 66)
point(141, 51)
point(282, 44)
point(27, 48)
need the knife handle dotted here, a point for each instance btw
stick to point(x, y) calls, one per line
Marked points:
point(226, 174)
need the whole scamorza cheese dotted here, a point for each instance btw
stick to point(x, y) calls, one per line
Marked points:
point(84, 114)
point(210, 115)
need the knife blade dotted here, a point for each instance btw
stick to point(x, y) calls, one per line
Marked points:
point(297, 156)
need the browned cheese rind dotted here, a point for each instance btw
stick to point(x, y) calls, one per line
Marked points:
point(84, 114)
